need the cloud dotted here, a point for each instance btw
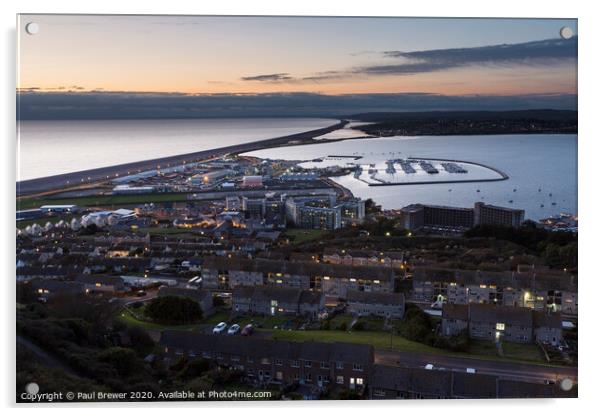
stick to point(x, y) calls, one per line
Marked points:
point(281, 76)
point(543, 52)
point(76, 105)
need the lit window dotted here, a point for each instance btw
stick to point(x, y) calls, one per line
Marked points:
point(500, 326)
point(340, 380)
point(359, 381)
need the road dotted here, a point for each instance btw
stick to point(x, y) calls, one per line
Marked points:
point(503, 369)
point(67, 180)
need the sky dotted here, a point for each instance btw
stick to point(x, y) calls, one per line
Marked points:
point(229, 56)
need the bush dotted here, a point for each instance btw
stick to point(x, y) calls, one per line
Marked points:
point(359, 326)
point(342, 326)
point(123, 360)
point(142, 343)
point(194, 369)
point(416, 325)
point(173, 309)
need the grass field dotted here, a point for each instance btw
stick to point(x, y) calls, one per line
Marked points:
point(299, 236)
point(102, 200)
point(127, 318)
point(378, 339)
point(383, 340)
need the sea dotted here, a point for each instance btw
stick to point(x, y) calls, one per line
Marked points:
point(47, 148)
point(542, 169)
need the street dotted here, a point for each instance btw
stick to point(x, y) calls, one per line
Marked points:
point(504, 369)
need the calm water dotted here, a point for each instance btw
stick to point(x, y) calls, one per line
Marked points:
point(52, 147)
point(536, 164)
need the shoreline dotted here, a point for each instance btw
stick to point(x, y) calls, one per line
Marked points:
point(103, 174)
point(503, 175)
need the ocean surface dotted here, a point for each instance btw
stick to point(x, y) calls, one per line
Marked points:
point(47, 148)
point(542, 169)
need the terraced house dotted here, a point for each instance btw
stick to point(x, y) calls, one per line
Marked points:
point(496, 323)
point(417, 383)
point(391, 259)
point(315, 364)
point(540, 290)
point(271, 300)
point(334, 280)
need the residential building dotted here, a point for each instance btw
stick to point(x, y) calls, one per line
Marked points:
point(390, 383)
point(388, 305)
point(102, 283)
point(276, 301)
point(390, 259)
point(542, 290)
point(493, 215)
point(309, 363)
point(334, 280)
point(48, 288)
point(497, 323)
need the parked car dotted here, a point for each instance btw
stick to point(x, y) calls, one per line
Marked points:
point(247, 330)
point(234, 329)
point(471, 370)
point(140, 293)
point(220, 328)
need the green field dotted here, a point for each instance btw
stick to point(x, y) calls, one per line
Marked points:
point(383, 340)
point(103, 200)
point(512, 351)
point(301, 236)
point(378, 339)
point(127, 318)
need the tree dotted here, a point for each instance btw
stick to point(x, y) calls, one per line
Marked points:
point(173, 309)
point(123, 360)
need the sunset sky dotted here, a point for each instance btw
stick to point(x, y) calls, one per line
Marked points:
point(209, 55)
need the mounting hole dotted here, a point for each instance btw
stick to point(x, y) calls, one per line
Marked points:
point(566, 32)
point(32, 28)
point(566, 384)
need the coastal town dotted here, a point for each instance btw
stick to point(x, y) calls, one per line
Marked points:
point(259, 273)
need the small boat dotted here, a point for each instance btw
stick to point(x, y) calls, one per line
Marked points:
point(514, 190)
point(550, 194)
point(539, 190)
point(553, 203)
point(478, 190)
point(541, 206)
point(511, 201)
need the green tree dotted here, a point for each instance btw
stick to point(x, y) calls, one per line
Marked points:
point(173, 309)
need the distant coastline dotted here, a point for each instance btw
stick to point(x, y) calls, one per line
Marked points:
point(74, 179)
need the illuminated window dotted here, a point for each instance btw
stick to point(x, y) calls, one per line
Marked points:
point(500, 326)
point(340, 380)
